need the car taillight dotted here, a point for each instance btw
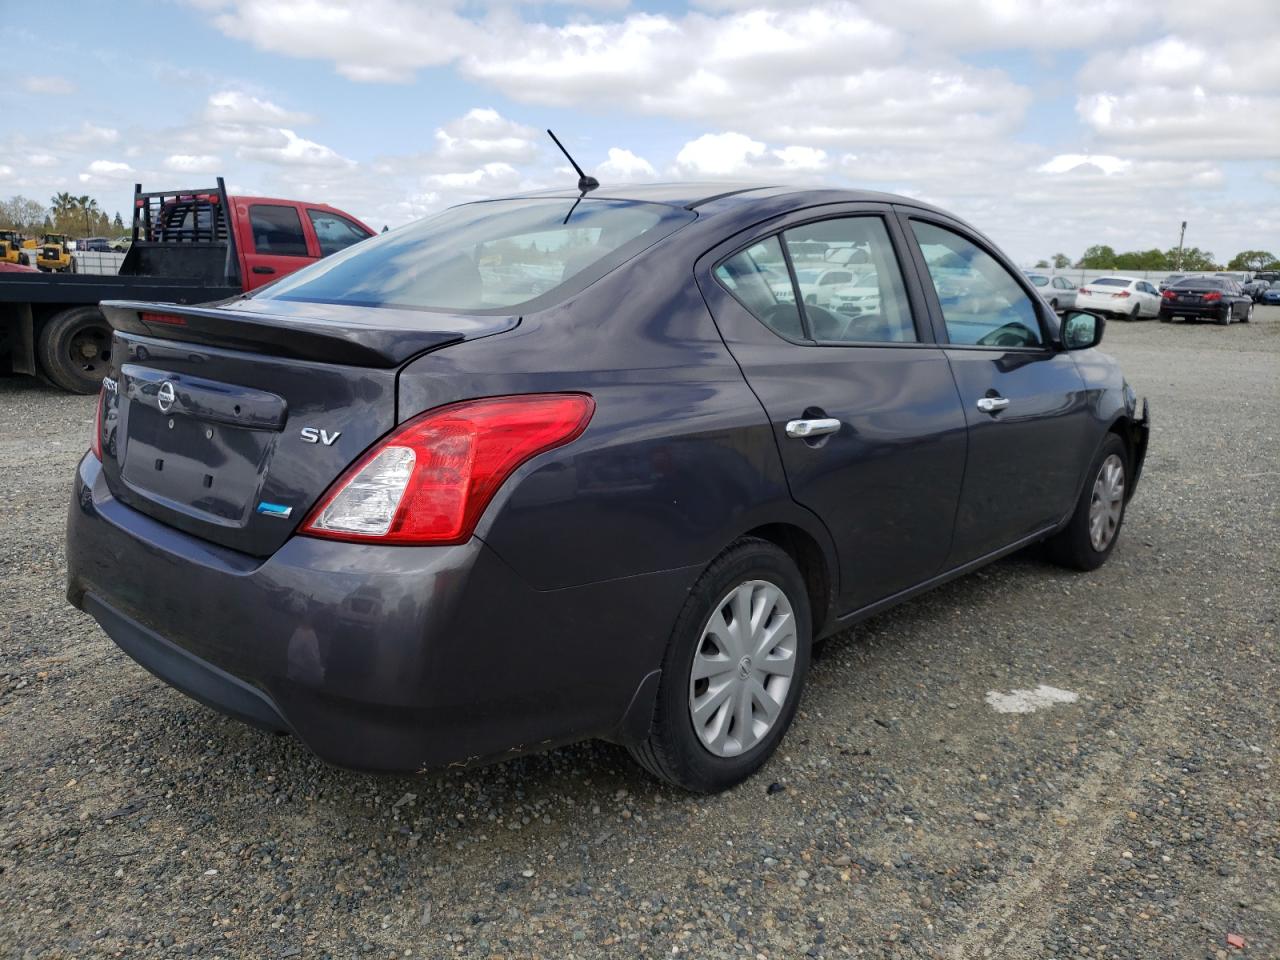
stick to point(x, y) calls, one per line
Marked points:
point(1169, 295)
point(1211, 296)
point(429, 480)
point(95, 446)
point(1084, 290)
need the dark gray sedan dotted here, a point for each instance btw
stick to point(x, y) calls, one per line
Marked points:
point(555, 467)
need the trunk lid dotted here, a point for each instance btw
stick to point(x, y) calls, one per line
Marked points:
point(230, 423)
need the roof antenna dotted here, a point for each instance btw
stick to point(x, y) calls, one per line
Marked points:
point(585, 184)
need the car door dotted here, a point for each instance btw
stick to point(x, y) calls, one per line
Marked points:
point(1023, 398)
point(277, 244)
point(1150, 299)
point(863, 405)
point(1065, 293)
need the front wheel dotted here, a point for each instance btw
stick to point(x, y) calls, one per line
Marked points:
point(1090, 535)
point(1248, 314)
point(733, 672)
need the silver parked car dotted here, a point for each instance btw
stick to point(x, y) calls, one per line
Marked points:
point(1059, 291)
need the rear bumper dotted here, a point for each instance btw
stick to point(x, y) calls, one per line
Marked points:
point(378, 658)
point(1213, 310)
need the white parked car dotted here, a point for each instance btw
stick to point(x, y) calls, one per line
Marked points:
point(1059, 291)
point(818, 284)
point(1126, 297)
point(856, 299)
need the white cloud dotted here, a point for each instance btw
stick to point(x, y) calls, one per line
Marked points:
point(189, 163)
point(719, 155)
point(48, 85)
point(234, 107)
point(623, 166)
point(1066, 162)
point(106, 171)
point(296, 151)
point(483, 136)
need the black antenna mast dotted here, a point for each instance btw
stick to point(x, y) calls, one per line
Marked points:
point(585, 183)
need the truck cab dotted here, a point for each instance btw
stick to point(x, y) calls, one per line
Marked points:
point(276, 237)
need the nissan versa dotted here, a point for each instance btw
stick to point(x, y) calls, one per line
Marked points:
point(559, 466)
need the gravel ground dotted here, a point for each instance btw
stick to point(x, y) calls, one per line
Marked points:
point(905, 817)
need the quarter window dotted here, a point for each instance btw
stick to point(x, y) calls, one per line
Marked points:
point(981, 302)
point(758, 278)
point(277, 230)
point(864, 301)
point(334, 232)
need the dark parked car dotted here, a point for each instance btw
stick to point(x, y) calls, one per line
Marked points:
point(1220, 299)
point(543, 469)
point(1271, 296)
point(1256, 288)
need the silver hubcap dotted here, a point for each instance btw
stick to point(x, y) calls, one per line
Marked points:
point(742, 668)
point(1107, 504)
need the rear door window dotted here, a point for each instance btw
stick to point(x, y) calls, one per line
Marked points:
point(335, 232)
point(277, 230)
point(982, 304)
point(863, 302)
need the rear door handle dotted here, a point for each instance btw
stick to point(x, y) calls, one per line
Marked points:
point(992, 404)
point(264, 269)
point(801, 429)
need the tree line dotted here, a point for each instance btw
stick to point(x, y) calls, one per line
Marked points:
point(66, 213)
point(1192, 259)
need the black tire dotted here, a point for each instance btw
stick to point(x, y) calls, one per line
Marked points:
point(74, 349)
point(24, 260)
point(1072, 546)
point(1135, 313)
point(1166, 317)
point(1248, 314)
point(1054, 304)
point(1224, 319)
point(673, 752)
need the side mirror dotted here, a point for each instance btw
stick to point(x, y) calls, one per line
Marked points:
point(1082, 329)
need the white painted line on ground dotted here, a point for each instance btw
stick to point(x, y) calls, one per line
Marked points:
point(1029, 701)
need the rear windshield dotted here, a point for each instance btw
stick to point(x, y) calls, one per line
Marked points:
point(485, 257)
point(1213, 282)
point(1110, 282)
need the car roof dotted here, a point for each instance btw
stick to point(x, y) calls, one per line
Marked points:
point(1116, 276)
point(694, 194)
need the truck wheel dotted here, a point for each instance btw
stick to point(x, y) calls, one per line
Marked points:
point(24, 260)
point(74, 349)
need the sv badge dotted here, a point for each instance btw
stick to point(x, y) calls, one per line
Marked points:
point(316, 435)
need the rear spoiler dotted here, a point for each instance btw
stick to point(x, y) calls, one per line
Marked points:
point(320, 332)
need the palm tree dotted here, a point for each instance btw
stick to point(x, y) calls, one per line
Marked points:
point(89, 207)
point(61, 205)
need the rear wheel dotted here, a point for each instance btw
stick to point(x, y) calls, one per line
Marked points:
point(1136, 312)
point(1248, 314)
point(733, 671)
point(1091, 534)
point(1054, 303)
point(1166, 317)
point(74, 349)
point(1224, 318)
